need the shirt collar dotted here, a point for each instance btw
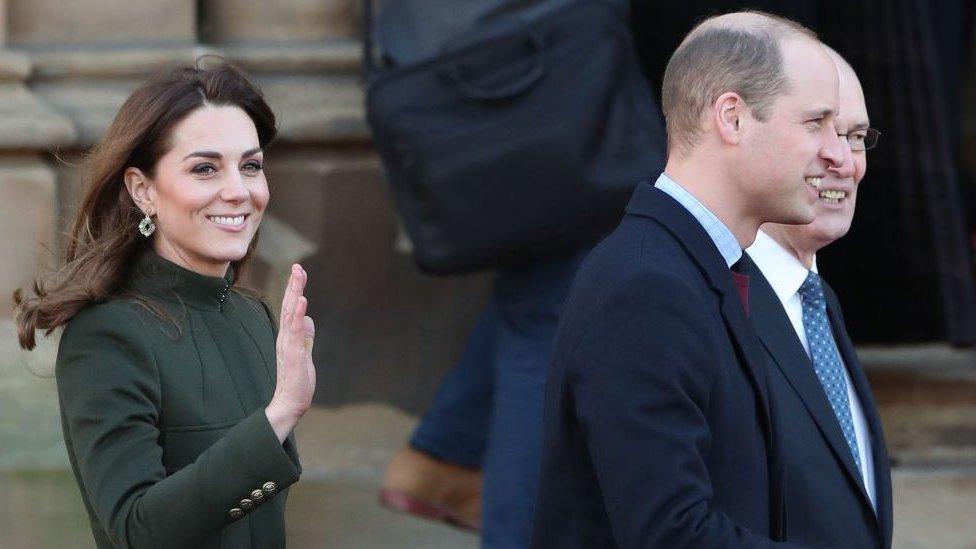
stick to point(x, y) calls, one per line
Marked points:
point(721, 235)
point(782, 269)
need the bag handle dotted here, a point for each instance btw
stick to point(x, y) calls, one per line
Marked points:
point(511, 89)
point(514, 8)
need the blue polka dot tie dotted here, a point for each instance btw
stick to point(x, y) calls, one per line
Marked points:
point(826, 359)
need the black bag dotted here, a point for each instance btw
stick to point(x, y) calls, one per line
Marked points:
point(522, 140)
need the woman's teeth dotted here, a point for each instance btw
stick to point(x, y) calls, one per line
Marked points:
point(224, 220)
point(815, 182)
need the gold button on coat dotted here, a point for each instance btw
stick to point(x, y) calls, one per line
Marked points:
point(269, 488)
point(236, 513)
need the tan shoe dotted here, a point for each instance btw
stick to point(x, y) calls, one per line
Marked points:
point(421, 485)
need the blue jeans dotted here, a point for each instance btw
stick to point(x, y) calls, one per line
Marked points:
point(488, 410)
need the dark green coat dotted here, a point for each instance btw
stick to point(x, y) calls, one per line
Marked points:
point(164, 423)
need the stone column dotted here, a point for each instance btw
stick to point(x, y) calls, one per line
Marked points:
point(29, 426)
point(87, 57)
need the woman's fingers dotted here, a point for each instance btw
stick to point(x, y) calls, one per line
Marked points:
point(297, 331)
point(298, 295)
point(308, 333)
point(284, 315)
point(296, 344)
point(298, 320)
point(292, 291)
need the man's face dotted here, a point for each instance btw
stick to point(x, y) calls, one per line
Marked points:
point(787, 157)
point(835, 207)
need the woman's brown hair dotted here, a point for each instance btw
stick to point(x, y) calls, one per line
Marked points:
point(104, 238)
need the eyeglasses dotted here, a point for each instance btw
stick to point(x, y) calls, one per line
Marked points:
point(861, 140)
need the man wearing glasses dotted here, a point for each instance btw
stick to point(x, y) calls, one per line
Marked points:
point(831, 461)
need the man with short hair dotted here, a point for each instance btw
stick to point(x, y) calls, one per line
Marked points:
point(828, 438)
point(657, 427)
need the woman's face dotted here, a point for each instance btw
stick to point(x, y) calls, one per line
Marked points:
point(209, 191)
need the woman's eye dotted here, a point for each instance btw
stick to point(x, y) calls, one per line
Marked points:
point(252, 167)
point(204, 169)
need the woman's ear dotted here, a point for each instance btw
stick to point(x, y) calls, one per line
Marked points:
point(140, 189)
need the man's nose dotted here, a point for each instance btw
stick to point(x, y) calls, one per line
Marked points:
point(833, 150)
point(845, 169)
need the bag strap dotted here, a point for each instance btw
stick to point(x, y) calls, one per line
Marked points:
point(368, 68)
point(509, 8)
point(368, 62)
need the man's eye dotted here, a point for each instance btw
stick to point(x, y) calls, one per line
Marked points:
point(815, 123)
point(204, 169)
point(857, 138)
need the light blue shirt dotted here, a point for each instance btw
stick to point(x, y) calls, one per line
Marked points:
point(723, 238)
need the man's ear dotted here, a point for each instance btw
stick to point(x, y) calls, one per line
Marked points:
point(729, 114)
point(140, 189)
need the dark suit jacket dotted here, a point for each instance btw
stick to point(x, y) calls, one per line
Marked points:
point(656, 427)
point(824, 503)
point(165, 429)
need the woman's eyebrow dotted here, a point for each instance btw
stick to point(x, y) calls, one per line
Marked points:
point(217, 156)
point(205, 154)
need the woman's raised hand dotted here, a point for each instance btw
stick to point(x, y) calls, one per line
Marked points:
point(296, 373)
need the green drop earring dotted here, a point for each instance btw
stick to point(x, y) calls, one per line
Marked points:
point(147, 227)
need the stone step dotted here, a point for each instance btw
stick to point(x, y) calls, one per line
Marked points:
point(926, 395)
point(933, 507)
point(345, 451)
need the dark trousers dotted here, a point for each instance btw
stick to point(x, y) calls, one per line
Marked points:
point(488, 410)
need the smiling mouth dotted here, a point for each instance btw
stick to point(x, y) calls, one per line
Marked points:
point(814, 182)
point(832, 196)
point(228, 221)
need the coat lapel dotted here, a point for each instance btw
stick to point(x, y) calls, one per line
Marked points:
point(781, 343)
point(882, 475)
point(651, 202)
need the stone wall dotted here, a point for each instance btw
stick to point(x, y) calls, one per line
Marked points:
point(387, 333)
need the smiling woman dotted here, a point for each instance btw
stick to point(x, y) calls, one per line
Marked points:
point(177, 397)
point(207, 202)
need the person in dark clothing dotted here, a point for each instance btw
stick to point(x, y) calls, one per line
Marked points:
point(487, 413)
point(829, 441)
point(657, 425)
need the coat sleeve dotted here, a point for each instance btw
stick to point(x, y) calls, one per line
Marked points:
point(641, 377)
point(109, 393)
